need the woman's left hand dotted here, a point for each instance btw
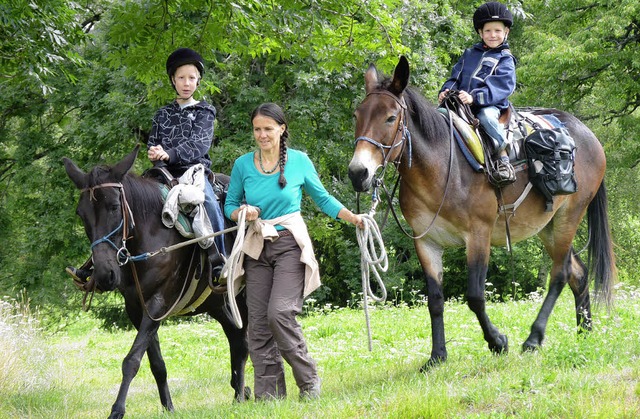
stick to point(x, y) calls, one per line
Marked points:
point(358, 221)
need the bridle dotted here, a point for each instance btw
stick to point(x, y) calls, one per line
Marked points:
point(402, 137)
point(405, 139)
point(126, 225)
point(123, 256)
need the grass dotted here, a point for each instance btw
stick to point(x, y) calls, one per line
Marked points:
point(595, 375)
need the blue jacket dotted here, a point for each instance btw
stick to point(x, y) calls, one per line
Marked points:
point(185, 134)
point(489, 75)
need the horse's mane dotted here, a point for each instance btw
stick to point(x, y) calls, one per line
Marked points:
point(143, 194)
point(423, 113)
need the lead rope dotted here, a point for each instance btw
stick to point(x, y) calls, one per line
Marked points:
point(229, 268)
point(371, 259)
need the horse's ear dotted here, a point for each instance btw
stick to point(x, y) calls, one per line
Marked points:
point(121, 168)
point(371, 79)
point(400, 77)
point(77, 176)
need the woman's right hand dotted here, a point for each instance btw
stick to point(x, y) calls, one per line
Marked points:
point(252, 214)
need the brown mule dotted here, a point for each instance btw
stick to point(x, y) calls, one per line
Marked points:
point(447, 204)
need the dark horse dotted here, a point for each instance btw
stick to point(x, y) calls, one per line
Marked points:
point(112, 200)
point(448, 204)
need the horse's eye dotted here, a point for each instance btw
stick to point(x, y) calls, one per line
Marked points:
point(114, 208)
point(391, 119)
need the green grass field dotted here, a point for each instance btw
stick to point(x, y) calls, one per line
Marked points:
point(75, 373)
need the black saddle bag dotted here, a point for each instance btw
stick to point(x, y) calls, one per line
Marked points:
point(550, 156)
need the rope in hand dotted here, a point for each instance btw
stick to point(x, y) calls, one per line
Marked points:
point(371, 260)
point(232, 261)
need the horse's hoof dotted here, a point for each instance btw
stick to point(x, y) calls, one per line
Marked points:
point(530, 347)
point(501, 346)
point(246, 395)
point(116, 415)
point(431, 363)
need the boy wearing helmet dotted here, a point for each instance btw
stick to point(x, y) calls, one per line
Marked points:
point(182, 133)
point(485, 77)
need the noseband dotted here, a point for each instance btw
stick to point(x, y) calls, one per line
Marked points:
point(402, 132)
point(126, 225)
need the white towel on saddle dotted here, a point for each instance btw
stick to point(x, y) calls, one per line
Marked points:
point(188, 197)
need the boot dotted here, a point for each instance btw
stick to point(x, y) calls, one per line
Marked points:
point(504, 174)
point(311, 392)
point(217, 283)
point(82, 275)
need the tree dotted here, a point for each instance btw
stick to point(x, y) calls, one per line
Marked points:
point(96, 101)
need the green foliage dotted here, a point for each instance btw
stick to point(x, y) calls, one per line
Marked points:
point(83, 81)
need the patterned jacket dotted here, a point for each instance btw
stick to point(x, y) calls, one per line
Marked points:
point(489, 75)
point(185, 134)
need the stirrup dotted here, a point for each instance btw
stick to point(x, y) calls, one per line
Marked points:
point(217, 282)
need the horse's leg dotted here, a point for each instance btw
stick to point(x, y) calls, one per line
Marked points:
point(430, 256)
point(159, 370)
point(567, 267)
point(238, 347)
point(147, 331)
point(579, 283)
point(478, 251)
point(559, 276)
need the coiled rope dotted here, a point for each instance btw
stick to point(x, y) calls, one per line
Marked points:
point(373, 258)
point(233, 260)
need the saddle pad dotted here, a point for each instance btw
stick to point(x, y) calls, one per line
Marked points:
point(515, 136)
point(468, 134)
point(470, 137)
point(183, 224)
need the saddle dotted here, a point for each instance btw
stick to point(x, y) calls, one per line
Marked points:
point(183, 222)
point(167, 181)
point(537, 143)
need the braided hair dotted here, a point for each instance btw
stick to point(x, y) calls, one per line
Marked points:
point(275, 112)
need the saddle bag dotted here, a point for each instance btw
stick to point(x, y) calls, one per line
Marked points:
point(550, 156)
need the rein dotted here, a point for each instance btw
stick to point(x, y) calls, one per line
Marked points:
point(123, 256)
point(371, 260)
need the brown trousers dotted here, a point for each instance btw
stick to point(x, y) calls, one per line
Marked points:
point(274, 285)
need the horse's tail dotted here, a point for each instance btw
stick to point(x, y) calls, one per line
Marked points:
point(602, 261)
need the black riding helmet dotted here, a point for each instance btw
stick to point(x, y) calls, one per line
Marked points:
point(183, 56)
point(492, 11)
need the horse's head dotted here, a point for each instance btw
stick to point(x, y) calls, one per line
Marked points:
point(105, 215)
point(380, 125)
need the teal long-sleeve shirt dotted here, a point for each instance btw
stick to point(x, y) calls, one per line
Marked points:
point(249, 186)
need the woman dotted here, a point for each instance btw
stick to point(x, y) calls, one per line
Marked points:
point(279, 265)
